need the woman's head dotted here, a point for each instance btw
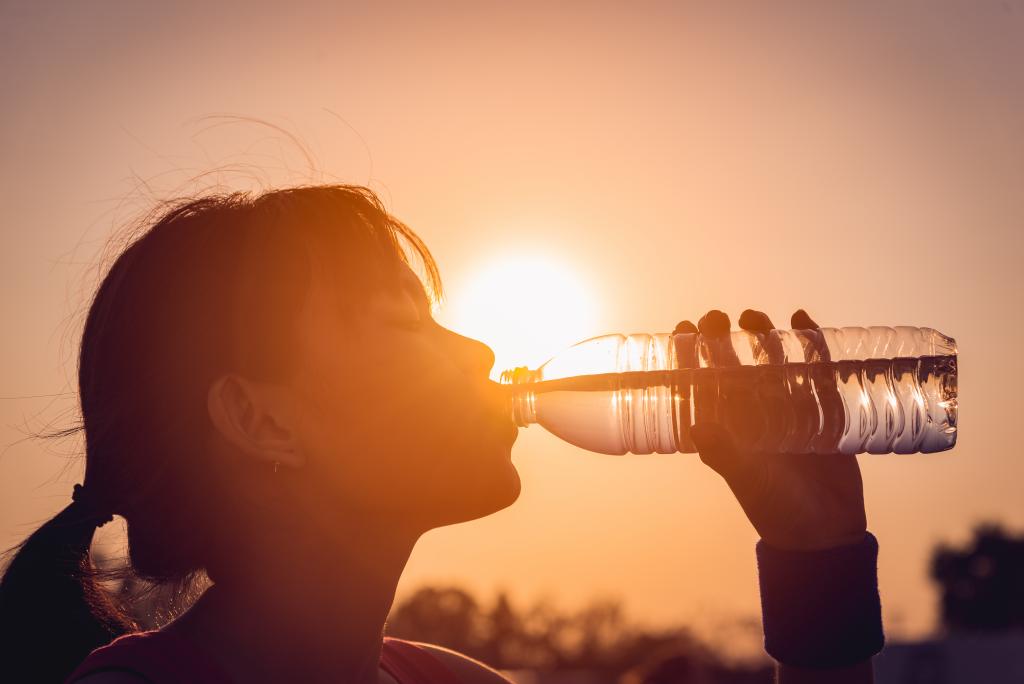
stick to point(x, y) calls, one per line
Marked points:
point(272, 357)
point(243, 332)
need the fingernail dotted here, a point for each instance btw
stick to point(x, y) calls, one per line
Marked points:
point(755, 320)
point(714, 322)
point(684, 327)
point(801, 321)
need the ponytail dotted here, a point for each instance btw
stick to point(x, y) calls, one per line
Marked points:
point(52, 611)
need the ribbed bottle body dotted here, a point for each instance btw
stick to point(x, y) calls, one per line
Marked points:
point(845, 390)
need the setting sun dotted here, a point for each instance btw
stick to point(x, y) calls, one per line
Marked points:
point(526, 307)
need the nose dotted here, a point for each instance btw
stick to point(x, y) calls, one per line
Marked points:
point(475, 357)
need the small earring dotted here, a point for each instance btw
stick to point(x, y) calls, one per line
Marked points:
point(277, 464)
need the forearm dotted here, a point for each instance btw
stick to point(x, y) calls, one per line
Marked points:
point(861, 673)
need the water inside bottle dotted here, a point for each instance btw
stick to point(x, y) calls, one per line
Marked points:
point(901, 405)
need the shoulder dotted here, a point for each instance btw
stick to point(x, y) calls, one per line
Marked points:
point(111, 677)
point(147, 658)
point(468, 670)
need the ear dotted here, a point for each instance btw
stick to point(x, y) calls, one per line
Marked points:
point(257, 418)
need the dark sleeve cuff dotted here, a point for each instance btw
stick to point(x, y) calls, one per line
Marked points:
point(821, 609)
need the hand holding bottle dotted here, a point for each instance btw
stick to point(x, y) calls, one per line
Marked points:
point(794, 501)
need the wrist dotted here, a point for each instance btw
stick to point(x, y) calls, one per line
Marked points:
point(821, 608)
point(824, 542)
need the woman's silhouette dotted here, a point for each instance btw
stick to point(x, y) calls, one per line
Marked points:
point(268, 403)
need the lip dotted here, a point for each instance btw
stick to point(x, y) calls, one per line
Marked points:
point(507, 428)
point(498, 410)
point(513, 432)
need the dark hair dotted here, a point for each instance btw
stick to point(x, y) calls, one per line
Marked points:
point(174, 311)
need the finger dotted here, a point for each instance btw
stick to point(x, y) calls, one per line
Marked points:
point(715, 327)
point(829, 402)
point(714, 323)
point(685, 340)
point(815, 347)
point(802, 321)
point(685, 327)
point(755, 321)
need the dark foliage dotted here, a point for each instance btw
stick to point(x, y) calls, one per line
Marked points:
point(982, 583)
point(595, 638)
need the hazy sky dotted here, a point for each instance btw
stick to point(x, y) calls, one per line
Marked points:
point(863, 160)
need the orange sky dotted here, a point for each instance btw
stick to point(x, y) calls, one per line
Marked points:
point(862, 162)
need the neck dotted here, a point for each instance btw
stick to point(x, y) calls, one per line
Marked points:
point(304, 614)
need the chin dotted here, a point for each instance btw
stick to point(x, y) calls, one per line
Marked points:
point(486, 496)
point(514, 486)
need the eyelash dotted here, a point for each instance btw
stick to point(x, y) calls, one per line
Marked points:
point(423, 317)
point(414, 326)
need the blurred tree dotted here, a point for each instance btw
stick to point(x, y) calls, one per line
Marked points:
point(507, 637)
point(982, 583)
point(596, 638)
point(450, 616)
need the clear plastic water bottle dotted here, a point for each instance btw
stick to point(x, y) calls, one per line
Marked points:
point(847, 390)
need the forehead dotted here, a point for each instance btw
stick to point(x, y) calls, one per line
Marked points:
point(327, 297)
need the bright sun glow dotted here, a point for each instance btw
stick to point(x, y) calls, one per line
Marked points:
point(525, 307)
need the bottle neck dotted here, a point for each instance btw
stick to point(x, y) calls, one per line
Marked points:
point(522, 401)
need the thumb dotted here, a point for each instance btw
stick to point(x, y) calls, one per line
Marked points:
point(717, 449)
